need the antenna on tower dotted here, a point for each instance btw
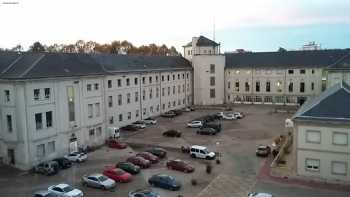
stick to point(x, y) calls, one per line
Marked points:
point(214, 28)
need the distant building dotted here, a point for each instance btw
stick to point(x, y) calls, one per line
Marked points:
point(321, 135)
point(339, 71)
point(311, 46)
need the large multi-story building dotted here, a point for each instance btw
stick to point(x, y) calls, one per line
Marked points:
point(53, 103)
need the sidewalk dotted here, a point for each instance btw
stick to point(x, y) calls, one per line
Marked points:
point(265, 175)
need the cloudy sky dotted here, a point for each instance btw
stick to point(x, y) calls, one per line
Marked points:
point(258, 25)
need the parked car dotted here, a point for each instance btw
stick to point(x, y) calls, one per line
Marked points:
point(63, 163)
point(76, 156)
point(238, 115)
point(128, 167)
point(227, 115)
point(159, 152)
point(150, 121)
point(179, 165)
point(259, 195)
point(172, 133)
point(98, 181)
point(169, 114)
point(201, 152)
point(143, 193)
point(206, 131)
point(47, 168)
point(129, 127)
point(113, 143)
point(139, 124)
point(65, 190)
point(117, 174)
point(195, 124)
point(188, 109)
point(263, 151)
point(177, 111)
point(164, 181)
point(43, 193)
point(139, 161)
point(214, 125)
point(149, 156)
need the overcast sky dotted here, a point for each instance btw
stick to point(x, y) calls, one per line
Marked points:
point(258, 25)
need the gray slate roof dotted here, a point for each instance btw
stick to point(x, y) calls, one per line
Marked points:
point(287, 59)
point(333, 104)
point(29, 65)
point(203, 41)
point(342, 64)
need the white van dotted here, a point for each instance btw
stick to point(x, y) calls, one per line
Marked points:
point(201, 152)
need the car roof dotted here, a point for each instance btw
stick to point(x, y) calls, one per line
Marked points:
point(62, 185)
point(198, 147)
point(96, 175)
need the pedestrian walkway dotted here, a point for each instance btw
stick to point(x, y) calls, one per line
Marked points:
point(228, 186)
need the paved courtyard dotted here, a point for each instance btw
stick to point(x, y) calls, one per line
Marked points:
point(235, 176)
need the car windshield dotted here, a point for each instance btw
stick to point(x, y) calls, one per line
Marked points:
point(205, 151)
point(102, 178)
point(68, 189)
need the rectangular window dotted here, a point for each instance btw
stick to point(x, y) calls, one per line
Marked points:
point(173, 77)
point(173, 90)
point(119, 83)
point(51, 147)
point(144, 111)
point(163, 106)
point(268, 86)
point(135, 81)
point(88, 87)
point(36, 94)
point(237, 86)
point(40, 150)
point(90, 110)
point(47, 93)
point(302, 71)
point(340, 138)
point(312, 165)
point(99, 131)
point(150, 80)
point(179, 89)
point(168, 77)
point(120, 117)
point(129, 115)
point(290, 87)
point(91, 132)
point(212, 81)
point(183, 88)
point(151, 109)
point(313, 137)
point(96, 86)
point(302, 87)
point(257, 86)
point(109, 83)
point(143, 80)
point(162, 77)
point(97, 109)
point(313, 71)
point(174, 103)
point(156, 79)
point(228, 85)
point(178, 76)
point(212, 68)
point(120, 102)
point(247, 86)
point(150, 93)
point(212, 93)
point(339, 168)
point(110, 101)
point(187, 75)
point(7, 96)
point(183, 75)
point(143, 95)
point(71, 103)
point(128, 98)
point(290, 72)
point(38, 121)
point(158, 108)
point(312, 85)
point(111, 120)
point(136, 96)
point(9, 123)
point(127, 82)
point(137, 113)
point(48, 119)
point(157, 92)
point(168, 91)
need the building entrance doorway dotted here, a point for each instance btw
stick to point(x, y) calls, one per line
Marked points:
point(73, 143)
point(11, 156)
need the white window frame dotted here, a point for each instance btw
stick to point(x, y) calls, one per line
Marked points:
point(339, 173)
point(312, 169)
point(345, 135)
point(307, 139)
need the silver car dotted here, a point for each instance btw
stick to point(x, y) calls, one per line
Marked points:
point(98, 181)
point(43, 193)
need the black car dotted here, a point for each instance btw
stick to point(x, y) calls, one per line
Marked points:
point(216, 126)
point(159, 152)
point(129, 128)
point(169, 114)
point(207, 131)
point(128, 167)
point(63, 163)
point(164, 181)
point(172, 133)
point(143, 193)
point(177, 111)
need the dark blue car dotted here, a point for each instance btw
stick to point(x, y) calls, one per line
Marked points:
point(164, 181)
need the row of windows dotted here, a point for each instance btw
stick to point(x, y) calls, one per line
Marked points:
point(279, 72)
point(279, 86)
point(338, 138)
point(94, 108)
point(39, 120)
point(39, 96)
point(209, 51)
point(95, 132)
point(337, 167)
point(42, 150)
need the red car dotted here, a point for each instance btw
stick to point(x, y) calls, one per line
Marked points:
point(149, 156)
point(179, 165)
point(139, 161)
point(112, 143)
point(117, 174)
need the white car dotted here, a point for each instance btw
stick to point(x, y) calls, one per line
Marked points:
point(76, 157)
point(201, 152)
point(139, 124)
point(65, 190)
point(238, 115)
point(195, 124)
point(259, 195)
point(150, 121)
point(229, 117)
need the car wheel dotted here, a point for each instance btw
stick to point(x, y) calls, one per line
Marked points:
point(207, 157)
point(193, 155)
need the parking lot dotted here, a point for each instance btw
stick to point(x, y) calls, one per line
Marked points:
point(236, 144)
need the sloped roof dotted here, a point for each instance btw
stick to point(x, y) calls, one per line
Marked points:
point(29, 65)
point(333, 104)
point(342, 64)
point(287, 59)
point(203, 41)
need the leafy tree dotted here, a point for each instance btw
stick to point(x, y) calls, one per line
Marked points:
point(282, 49)
point(37, 47)
point(17, 48)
